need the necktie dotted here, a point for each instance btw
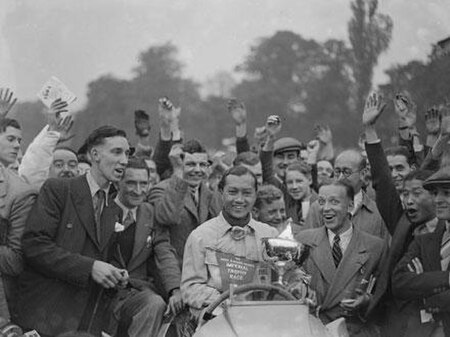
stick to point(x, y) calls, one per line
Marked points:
point(445, 250)
point(128, 219)
point(337, 252)
point(98, 208)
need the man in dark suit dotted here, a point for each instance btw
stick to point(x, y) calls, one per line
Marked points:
point(343, 261)
point(183, 201)
point(423, 272)
point(66, 242)
point(404, 222)
point(139, 246)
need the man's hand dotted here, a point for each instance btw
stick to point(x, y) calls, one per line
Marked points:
point(63, 126)
point(107, 275)
point(361, 302)
point(373, 109)
point(415, 266)
point(237, 111)
point(313, 148)
point(57, 108)
point(323, 134)
point(176, 304)
point(273, 125)
point(405, 109)
point(433, 120)
point(7, 101)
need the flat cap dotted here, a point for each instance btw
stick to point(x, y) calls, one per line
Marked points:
point(441, 177)
point(287, 144)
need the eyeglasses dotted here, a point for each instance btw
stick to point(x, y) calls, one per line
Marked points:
point(345, 171)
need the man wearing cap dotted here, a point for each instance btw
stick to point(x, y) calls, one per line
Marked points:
point(423, 274)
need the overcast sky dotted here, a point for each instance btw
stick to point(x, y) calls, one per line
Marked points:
point(79, 40)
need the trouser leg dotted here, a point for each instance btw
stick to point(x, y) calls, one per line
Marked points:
point(141, 314)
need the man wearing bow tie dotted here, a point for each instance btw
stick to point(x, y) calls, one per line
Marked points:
point(139, 247)
point(232, 238)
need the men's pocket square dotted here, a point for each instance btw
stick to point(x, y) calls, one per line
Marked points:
point(118, 227)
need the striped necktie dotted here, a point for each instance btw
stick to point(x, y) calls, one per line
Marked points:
point(337, 252)
point(445, 250)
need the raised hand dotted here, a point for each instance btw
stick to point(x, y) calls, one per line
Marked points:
point(61, 125)
point(373, 109)
point(237, 111)
point(405, 109)
point(58, 107)
point(273, 125)
point(142, 123)
point(176, 157)
point(323, 134)
point(7, 101)
point(433, 120)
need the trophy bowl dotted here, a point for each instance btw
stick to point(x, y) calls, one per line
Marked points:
point(284, 254)
point(285, 250)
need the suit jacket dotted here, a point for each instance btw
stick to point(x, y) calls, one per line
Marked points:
point(432, 286)
point(176, 209)
point(151, 249)
point(363, 257)
point(16, 200)
point(367, 218)
point(60, 247)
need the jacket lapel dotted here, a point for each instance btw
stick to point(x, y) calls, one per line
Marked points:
point(321, 256)
point(142, 233)
point(354, 258)
point(432, 258)
point(84, 208)
point(204, 200)
point(110, 215)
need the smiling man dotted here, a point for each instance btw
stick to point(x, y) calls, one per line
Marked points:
point(342, 261)
point(232, 237)
point(184, 201)
point(66, 242)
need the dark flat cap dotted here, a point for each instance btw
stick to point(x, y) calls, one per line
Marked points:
point(287, 144)
point(441, 177)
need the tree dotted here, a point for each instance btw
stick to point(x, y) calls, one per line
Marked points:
point(369, 33)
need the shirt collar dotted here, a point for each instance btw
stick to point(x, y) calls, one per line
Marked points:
point(2, 173)
point(93, 187)
point(343, 236)
point(447, 225)
point(225, 226)
point(125, 209)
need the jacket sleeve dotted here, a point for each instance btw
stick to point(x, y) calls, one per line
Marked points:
point(387, 199)
point(411, 286)
point(169, 201)
point(39, 240)
point(439, 301)
point(242, 145)
point(194, 288)
point(11, 262)
point(38, 157)
point(166, 260)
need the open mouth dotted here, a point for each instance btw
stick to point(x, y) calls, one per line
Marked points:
point(411, 212)
point(328, 217)
point(119, 171)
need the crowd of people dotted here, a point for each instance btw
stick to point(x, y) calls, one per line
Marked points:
point(110, 238)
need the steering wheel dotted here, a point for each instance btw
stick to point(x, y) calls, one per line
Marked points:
point(271, 289)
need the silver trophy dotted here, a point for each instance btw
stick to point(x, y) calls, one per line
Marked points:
point(283, 255)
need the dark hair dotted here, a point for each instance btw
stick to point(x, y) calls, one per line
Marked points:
point(349, 191)
point(98, 136)
point(66, 148)
point(247, 158)
point(267, 194)
point(418, 175)
point(399, 151)
point(237, 171)
point(193, 146)
point(301, 167)
point(5, 122)
point(137, 163)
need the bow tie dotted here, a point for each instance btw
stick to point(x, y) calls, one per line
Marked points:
point(238, 233)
